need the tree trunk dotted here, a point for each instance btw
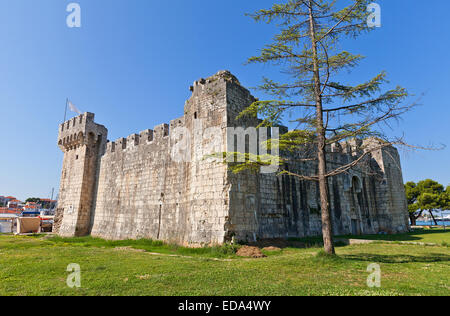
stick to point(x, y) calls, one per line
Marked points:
point(432, 216)
point(417, 217)
point(413, 219)
point(327, 227)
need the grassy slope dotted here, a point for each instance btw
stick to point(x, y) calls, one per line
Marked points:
point(32, 266)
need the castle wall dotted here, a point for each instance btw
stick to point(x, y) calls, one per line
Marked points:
point(265, 206)
point(162, 184)
point(150, 188)
point(367, 199)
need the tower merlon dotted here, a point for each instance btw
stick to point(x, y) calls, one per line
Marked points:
point(161, 131)
point(121, 143)
point(133, 140)
point(110, 147)
point(146, 136)
point(180, 122)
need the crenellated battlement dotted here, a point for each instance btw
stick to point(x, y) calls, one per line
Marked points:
point(145, 137)
point(79, 131)
point(222, 76)
point(75, 122)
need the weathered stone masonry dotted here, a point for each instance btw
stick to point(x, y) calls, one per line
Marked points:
point(133, 188)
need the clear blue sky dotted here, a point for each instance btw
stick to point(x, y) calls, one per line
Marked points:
point(132, 63)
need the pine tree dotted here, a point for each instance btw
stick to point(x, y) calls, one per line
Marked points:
point(326, 110)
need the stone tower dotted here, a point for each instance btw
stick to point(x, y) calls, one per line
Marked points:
point(83, 142)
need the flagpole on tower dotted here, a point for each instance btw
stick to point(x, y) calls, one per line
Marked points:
point(65, 112)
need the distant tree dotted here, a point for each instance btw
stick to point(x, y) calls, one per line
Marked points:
point(327, 111)
point(412, 193)
point(427, 195)
point(446, 199)
point(33, 200)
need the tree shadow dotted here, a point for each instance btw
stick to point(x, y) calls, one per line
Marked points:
point(342, 241)
point(397, 258)
point(416, 236)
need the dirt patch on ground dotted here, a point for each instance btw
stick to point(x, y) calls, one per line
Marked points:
point(128, 249)
point(271, 248)
point(251, 252)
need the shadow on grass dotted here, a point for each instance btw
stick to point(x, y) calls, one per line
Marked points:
point(397, 258)
point(416, 235)
point(419, 235)
point(299, 243)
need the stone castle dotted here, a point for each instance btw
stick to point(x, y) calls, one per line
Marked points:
point(133, 188)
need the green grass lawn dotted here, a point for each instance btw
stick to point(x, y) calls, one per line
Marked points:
point(37, 266)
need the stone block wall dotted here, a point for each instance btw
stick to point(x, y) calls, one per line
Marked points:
point(151, 187)
point(163, 184)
